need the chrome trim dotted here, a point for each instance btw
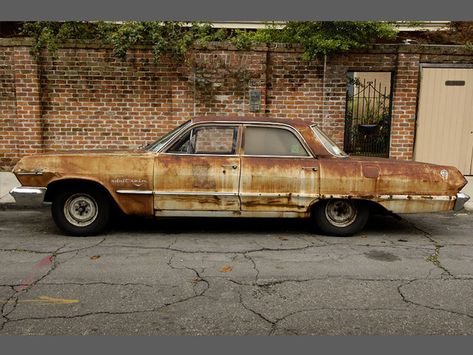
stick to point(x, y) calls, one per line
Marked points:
point(201, 155)
point(245, 214)
point(462, 198)
point(395, 197)
point(29, 196)
point(174, 193)
point(278, 156)
point(416, 197)
point(135, 192)
point(35, 173)
point(269, 194)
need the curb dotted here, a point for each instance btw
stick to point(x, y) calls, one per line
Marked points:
point(14, 206)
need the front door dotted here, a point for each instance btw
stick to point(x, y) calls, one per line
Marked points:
point(200, 172)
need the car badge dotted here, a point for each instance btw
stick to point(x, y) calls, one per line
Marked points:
point(444, 174)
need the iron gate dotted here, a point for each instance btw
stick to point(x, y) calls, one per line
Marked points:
point(367, 118)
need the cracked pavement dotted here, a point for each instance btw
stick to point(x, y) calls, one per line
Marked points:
point(402, 275)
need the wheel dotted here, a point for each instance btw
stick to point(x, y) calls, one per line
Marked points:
point(340, 217)
point(81, 211)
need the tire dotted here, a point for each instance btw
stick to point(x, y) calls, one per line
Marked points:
point(81, 211)
point(340, 217)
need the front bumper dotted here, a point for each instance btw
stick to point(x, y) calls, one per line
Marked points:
point(460, 201)
point(29, 196)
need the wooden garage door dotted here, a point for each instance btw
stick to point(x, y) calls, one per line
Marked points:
point(445, 118)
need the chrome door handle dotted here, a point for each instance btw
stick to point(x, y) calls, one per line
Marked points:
point(313, 168)
point(233, 166)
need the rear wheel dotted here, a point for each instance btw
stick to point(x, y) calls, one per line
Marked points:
point(340, 217)
point(81, 211)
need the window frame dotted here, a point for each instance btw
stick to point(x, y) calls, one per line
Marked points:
point(236, 140)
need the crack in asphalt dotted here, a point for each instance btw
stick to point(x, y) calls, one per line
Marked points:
point(83, 248)
point(82, 315)
point(19, 250)
point(274, 323)
point(212, 251)
point(314, 309)
point(319, 278)
point(410, 302)
point(435, 257)
point(13, 298)
point(22, 250)
point(256, 313)
point(195, 281)
point(198, 280)
point(255, 268)
point(97, 283)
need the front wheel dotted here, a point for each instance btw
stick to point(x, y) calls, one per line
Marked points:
point(81, 212)
point(340, 217)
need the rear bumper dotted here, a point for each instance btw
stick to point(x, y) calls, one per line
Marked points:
point(29, 196)
point(460, 201)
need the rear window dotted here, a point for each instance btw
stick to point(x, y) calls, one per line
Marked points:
point(272, 141)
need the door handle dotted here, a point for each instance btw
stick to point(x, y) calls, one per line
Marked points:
point(313, 168)
point(233, 166)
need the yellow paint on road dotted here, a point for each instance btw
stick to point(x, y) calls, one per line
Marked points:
point(47, 300)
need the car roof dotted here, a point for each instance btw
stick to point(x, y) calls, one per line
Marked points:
point(297, 123)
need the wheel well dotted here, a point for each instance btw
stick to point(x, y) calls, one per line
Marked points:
point(374, 207)
point(59, 185)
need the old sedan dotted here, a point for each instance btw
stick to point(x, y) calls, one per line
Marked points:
point(234, 167)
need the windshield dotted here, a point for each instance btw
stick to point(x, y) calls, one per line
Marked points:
point(328, 143)
point(157, 145)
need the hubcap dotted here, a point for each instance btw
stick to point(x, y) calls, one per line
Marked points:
point(80, 210)
point(341, 213)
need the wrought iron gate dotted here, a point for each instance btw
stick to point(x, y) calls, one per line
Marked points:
point(367, 118)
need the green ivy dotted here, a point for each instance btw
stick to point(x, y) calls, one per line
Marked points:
point(326, 37)
point(317, 38)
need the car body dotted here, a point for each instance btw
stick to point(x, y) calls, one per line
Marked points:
point(234, 167)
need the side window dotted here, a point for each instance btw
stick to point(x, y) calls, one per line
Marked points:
point(272, 141)
point(207, 140)
point(182, 145)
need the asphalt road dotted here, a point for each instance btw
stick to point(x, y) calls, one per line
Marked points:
point(410, 275)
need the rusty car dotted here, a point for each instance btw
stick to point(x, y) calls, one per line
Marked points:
point(234, 167)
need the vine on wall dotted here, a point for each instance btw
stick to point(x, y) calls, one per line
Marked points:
point(176, 39)
point(317, 38)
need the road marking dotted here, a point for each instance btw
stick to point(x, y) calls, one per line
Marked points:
point(25, 283)
point(45, 299)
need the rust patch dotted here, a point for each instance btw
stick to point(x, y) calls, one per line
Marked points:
point(370, 171)
point(202, 178)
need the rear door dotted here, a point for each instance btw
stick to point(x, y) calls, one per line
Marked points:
point(278, 173)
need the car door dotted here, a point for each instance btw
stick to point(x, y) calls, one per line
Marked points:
point(278, 172)
point(200, 171)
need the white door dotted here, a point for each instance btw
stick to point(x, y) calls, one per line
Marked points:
point(445, 118)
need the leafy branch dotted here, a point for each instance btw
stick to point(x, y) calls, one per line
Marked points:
point(317, 38)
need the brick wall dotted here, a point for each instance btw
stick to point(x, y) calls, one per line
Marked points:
point(87, 99)
point(8, 116)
